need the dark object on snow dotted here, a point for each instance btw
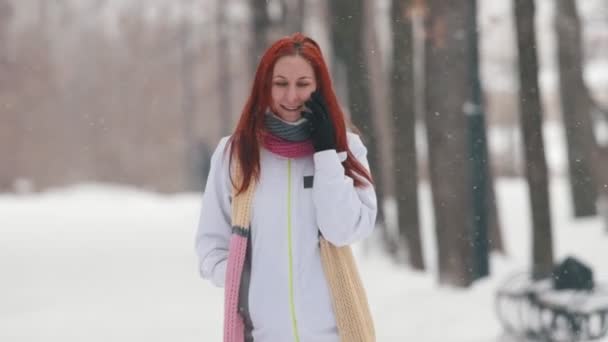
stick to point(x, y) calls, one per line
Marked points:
point(535, 310)
point(572, 274)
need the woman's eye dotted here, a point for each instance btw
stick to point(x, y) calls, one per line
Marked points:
point(303, 85)
point(280, 84)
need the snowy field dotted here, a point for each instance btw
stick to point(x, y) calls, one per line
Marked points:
point(104, 263)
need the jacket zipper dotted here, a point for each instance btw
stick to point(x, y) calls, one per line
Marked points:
point(290, 250)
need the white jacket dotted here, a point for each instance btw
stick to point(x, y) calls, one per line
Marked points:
point(288, 293)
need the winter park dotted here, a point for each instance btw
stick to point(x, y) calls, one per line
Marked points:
point(471, 187)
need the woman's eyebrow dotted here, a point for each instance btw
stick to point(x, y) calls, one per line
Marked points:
point(301, 78)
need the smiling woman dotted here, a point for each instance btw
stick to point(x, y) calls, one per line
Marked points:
point(286, 189)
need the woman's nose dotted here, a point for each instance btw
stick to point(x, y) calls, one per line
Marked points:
point(292, 95)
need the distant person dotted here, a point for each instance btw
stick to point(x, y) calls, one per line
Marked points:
point(311, 179)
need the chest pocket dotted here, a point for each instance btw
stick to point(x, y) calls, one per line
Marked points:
point(308, 182)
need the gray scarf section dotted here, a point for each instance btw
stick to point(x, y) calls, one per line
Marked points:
point(290, 131)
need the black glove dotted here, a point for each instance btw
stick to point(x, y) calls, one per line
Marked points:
point(322, 129)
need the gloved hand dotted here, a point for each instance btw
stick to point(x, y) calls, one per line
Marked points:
point(321, 127)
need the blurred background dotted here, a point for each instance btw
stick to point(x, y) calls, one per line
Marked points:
point(486, 124)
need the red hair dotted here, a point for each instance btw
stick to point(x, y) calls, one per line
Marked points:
point(244, 143)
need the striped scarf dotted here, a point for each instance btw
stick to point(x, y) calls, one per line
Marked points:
point(234, 326)
point(290, 140)
point(287, 139)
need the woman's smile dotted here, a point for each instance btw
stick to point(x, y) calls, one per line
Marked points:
point(292, 109)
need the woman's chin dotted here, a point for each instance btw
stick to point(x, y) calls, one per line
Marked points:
point(290, 117)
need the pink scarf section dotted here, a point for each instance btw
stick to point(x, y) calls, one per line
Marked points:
point(286, 148)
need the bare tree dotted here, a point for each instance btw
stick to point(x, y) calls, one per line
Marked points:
point(404, 132)
point(493, 220)
point(531, 128)
point(579, 112)
point(486, 229)
point(10, 119)
point(188, 103)
point(576, 109)
point(293, 15)
point(6, 12)
point(446, 123)
point(348, 43)
point(224, 81)
point(107, 107)
point(261, 27)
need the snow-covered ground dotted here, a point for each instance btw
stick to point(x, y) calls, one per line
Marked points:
point(104, 263)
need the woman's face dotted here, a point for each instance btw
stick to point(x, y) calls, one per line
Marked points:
point(293, 80)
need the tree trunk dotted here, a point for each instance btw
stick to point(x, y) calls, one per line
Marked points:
point(404, 136)
point(293, 15)
point(224, 80)
point(447, 71)
point(9, 129)
point(261, 26)
point(485, 196)
point(348, 43)
point(6, 12)
point(602, 179)
point(188, 107)
point(494, 226)
point(534, 151)
point(485, 213)
point(576, 110)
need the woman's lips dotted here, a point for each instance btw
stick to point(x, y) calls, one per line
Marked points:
point(291, 109)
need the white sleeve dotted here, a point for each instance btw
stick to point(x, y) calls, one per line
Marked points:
point(344, 213)
point(214, 228)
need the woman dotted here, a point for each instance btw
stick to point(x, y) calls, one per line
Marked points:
point(311, 178)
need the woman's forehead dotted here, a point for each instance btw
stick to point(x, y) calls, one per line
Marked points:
point(293, 67)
